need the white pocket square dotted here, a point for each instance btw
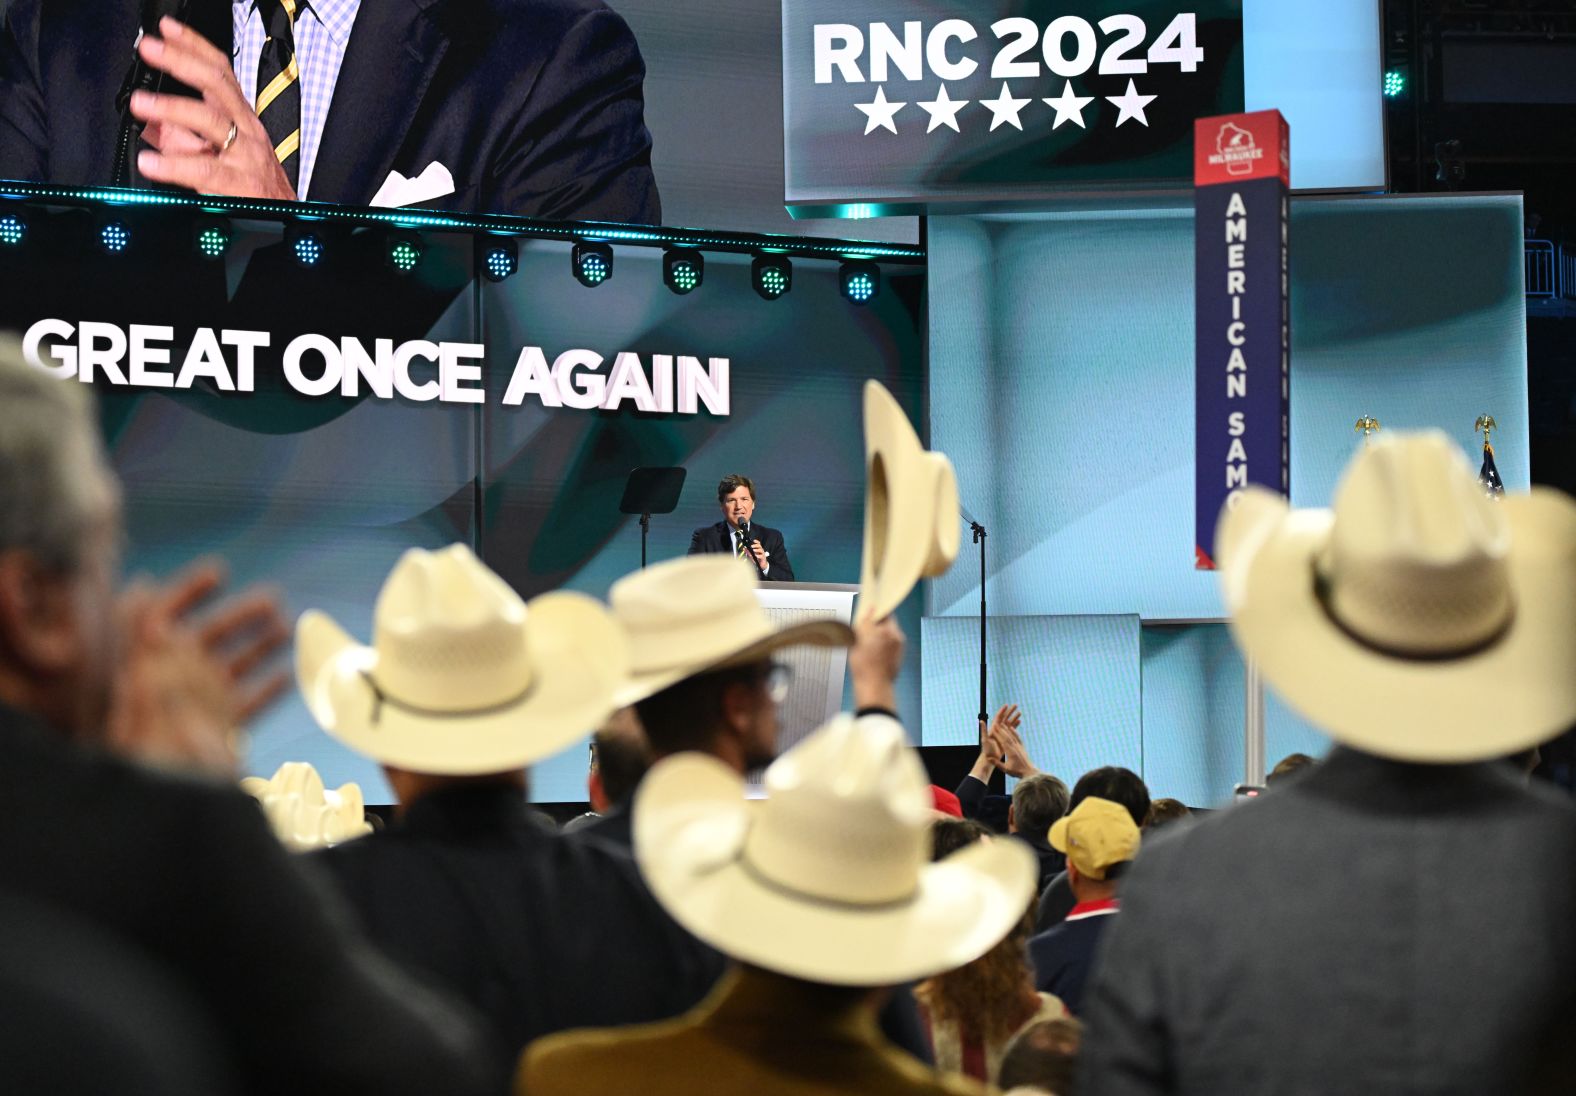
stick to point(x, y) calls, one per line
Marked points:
point(397, 190)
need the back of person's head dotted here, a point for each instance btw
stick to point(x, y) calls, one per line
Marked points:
point(1119, 785)
point(59, 537)
point(1165, 811)
point(1043, 1056)
point(948, 835)
point(985, 998)
point(1037, 802)
point(1288, 765)
point(622, 756)
point(689, 714)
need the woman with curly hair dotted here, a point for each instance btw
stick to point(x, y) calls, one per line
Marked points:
point(973, 1012)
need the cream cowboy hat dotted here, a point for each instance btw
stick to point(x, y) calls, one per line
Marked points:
point(303, 813)
point(829, 878)
point(911, 508)
point(1418, 620)
point(462, 677)
point(688, 616)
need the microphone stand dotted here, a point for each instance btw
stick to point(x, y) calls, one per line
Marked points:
point(979, 538)
point(645, 527)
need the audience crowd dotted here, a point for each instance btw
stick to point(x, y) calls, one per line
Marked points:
point(1398, 916)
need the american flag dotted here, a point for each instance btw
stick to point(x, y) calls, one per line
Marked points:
point(1488, 475)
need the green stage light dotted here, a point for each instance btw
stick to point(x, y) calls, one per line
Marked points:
point(212, 236)
point(683, 269)
point(1394, 84)
point(13, 230)
point(592, 263)
point(771, 276)
point(404, 251)
point(860, 281)
point(500, 259)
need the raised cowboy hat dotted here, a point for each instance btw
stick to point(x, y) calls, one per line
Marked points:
point(829, 878)
point(303, 813)
point(688, 616)
point(1418, 620)
point(462, 677)
point(911, 508)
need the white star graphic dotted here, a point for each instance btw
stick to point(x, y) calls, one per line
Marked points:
point(1004, 108)
point(1131, 104)
point(880, 112)
point(1069, 107)
point(943, 110)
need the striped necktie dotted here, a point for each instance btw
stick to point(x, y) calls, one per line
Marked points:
point(279, 85)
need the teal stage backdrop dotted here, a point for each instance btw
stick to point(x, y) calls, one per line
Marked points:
point(1061, 377)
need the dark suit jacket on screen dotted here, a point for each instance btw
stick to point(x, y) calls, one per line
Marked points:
point(719, 538)
point(534, 106)
point(1371, 927)
point(540, 932)
point(190, 876)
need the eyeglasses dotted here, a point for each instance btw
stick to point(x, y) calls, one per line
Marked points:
point(778, 678)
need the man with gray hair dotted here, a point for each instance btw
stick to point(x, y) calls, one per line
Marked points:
point(1037, 802)
point(183, 872)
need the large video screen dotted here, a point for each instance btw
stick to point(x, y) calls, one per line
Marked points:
point(310, 399)
point(647, 111)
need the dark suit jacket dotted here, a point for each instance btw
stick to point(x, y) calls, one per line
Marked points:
point(1063, 957)
point(534, 106)
point(759, 1034)
point(719, 538)
point(538, 931)
point(190, 876)
point(1372, 927)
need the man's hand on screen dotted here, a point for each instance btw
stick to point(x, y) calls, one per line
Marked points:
point(192, 139)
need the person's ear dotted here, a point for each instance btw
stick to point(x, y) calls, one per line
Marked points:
point(594, 790)
point(1012, 821)
point(38, 618)
point(1072, 873)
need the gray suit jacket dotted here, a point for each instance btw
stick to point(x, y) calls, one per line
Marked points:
point(1370, 927)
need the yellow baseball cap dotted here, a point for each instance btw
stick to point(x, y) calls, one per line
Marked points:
point(1095, 836)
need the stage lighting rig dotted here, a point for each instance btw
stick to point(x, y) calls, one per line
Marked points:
point(113, 236)
point(683, 269)
point(859, 280)
point(592, 263)
point(771, 276)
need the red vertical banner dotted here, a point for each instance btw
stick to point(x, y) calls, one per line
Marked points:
point(1242, 358)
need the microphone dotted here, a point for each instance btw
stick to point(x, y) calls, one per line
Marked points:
point(141, 77)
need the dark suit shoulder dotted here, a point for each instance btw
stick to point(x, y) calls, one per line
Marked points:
point(512, 26)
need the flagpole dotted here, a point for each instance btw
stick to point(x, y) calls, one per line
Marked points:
point(979, 538)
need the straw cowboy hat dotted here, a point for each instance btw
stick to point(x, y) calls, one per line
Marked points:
point(303, 813)
point(701, 613)
point(462, 677)
point(911, 508)
point(829, 878)
point(1418, 620)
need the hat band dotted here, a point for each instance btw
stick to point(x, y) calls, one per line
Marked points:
point(380, 698)
point(761, 877)
point(1324, 595)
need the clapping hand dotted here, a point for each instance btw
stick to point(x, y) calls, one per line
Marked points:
point(1005, 737)
point(185, 687)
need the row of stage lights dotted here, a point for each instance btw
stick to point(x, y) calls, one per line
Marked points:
point(683, 268)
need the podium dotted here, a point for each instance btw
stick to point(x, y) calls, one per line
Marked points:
point(816, 692)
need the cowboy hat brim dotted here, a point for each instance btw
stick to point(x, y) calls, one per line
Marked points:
point(1510, 695)
point(577, 655)
point(912, 525)
point(813, 633)
point(690, 824)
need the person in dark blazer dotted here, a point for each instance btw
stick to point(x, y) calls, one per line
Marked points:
point(466, 887)
point(1324, 938)
point(762, 546)
point(525, 107)
point(180, 870)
